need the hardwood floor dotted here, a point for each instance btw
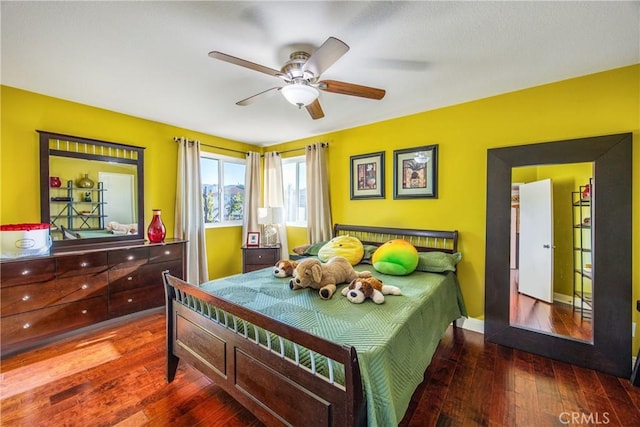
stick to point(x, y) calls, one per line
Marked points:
point(115, 376)
point(556, 318)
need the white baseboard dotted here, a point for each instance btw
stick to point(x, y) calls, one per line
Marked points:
point(565, 299)
point(471, 324)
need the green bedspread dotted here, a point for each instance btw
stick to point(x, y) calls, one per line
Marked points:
point(395, 341)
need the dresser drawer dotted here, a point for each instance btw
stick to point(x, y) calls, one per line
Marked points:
point(18, 299)
point(82, 287)
point(52, 320)
point(14, 273)
point(264, 257)
point(174, 268)
point(121, 303)
point(125, 258)
point(76, 265)
point(165, 253)
point(135, 277)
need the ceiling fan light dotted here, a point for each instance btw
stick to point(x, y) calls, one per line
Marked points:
point(420, 157)
point(300, 95)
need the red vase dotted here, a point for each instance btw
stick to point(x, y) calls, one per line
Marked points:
point(156, 230)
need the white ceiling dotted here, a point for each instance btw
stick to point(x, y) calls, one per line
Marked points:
point(149, 59)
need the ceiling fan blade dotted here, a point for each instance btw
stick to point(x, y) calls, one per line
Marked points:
point(315, 110)
point(264, 94)
point(326, 55)
point(351, 89)
point(244, 63)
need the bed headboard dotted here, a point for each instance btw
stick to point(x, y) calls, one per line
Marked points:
point(423, 240)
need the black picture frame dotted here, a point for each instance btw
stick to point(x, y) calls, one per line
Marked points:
point(415, 177)
point(367, 176)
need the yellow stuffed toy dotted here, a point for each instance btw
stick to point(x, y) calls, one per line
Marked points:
point(347, 247)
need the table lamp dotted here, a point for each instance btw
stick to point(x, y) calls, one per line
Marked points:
point(270, 218)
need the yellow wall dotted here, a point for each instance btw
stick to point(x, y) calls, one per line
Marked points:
point(24, 112)
point(597, 104)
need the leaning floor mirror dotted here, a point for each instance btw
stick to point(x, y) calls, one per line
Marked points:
point(558, 257)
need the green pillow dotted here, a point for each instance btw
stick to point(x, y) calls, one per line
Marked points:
point(368, 252)
point(438, 262)
point(315, 248)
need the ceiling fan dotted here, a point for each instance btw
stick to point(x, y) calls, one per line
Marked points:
point(301, 76)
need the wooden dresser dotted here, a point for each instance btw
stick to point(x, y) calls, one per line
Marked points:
point(46, 296)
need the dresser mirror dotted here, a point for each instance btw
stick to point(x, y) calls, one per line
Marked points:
point(91, 191)
point(608, 158)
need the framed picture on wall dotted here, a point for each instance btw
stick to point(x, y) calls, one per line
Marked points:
point(253, 239)
point(367, 176)
point(415, 172)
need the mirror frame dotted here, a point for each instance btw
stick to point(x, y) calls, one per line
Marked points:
point(45, 215)
point(610, 351)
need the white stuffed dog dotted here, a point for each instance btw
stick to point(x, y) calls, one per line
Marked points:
point(284, 268)
point(117, 228)
point(311, 273)
point(362, 288)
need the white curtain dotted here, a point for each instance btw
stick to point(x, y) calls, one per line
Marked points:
point(319, 222)
point(189, 223)
point(251, 194)
point(274, 195)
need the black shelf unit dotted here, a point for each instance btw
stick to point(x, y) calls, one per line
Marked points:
point(582, 250)
point(73, 210)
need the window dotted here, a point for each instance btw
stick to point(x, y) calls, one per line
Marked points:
point(222, 189)
point(294, 178)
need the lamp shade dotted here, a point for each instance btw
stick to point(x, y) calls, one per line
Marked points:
point(300, 94)
point(264, 216)
point(277, 215)
point(270, 215)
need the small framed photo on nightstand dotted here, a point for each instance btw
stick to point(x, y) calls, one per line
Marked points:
point(253, 239)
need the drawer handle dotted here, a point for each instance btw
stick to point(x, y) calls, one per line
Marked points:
point(25, 298)
point(84, 264)
point(129, 278)
point(26, 326)
point(130, 258)
point(130, 300)
point(259, 256)
point(25, 272)
point(85, 286)
point(84, 311)
point(167, 252)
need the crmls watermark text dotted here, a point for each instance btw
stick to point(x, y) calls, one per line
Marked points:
point(582, 418)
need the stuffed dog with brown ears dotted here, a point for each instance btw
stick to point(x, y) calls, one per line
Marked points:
point(284, 268)
point(370, 287)
point(311, 273)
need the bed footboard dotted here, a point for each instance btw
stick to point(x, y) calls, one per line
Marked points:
point(244, 353)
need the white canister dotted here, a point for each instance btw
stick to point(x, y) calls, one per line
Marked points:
point(22, 240)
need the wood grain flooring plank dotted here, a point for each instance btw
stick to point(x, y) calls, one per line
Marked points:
point(469, 383)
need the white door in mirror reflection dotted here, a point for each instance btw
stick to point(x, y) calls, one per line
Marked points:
point(536, 240)
point(119, 197)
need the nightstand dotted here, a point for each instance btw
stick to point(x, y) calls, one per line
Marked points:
point(255, 258)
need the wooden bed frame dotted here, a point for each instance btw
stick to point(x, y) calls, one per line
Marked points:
point(202, 330)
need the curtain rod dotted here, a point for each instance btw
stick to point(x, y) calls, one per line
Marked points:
point(322, 144)
point(176, 139)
